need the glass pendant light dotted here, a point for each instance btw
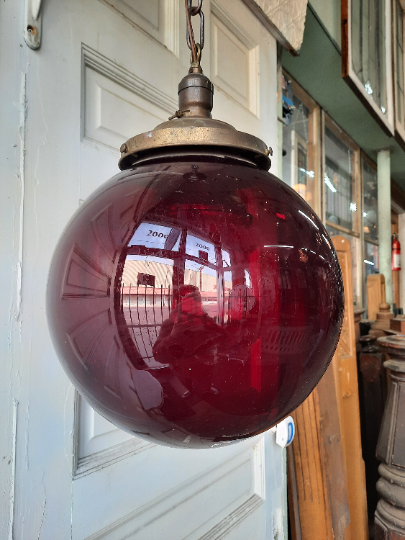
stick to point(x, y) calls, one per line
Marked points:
point(194, 299)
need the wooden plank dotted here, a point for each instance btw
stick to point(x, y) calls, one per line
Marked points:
point(345, 366)
point(375, 294)
point(311, 483)
point(319, 465)
point(327, 454)
point(333, 456)
point(295, 524)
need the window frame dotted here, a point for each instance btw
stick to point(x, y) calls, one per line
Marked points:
point(365, 159)
point(327, 122)
point(314, 127)
point(340, 134)
point(399, 127)
point(387, 122)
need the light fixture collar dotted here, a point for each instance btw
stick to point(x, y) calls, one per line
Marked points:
point(192, 128)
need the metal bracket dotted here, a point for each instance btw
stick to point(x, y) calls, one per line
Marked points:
point(284, 431)
point(33, 23)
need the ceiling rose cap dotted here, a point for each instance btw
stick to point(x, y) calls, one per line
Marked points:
point(196, 93)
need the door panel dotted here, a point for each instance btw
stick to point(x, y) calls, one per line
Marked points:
point(117, 102)
point(96, 433)
point(159, 18)
point(212, 500)
point(244, 72)
point(235, 62)
point(116, 66)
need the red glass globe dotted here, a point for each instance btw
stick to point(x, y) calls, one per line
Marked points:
point(195, 301)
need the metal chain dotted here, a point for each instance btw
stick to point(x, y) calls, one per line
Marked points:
point(195, 48)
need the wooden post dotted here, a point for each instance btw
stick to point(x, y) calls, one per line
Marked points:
point(398, 324)
point(390, 514)
point(382, 321)
point(375, 294)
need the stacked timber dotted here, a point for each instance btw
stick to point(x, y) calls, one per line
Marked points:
point(327, 486)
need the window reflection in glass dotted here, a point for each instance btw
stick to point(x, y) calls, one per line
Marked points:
point(157, 236)
point(199, 275)
point(371, 261)
point(204, 279)
point(200, 248)
point(148, 296)
point(368, 38)
point(370, 204)
point(146, 289)
point(399, 51)
point(227, 281)
point(340, 189)
point(299, 152)
point(226, 259)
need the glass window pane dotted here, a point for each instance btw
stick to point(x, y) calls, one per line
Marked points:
point(368, 48)
point(399, 38)
point(370, 205)
point(371, 261)
point(299, 153)
point(340, 189)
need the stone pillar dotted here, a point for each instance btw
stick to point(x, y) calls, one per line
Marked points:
point(390, 513)
point(384, 219)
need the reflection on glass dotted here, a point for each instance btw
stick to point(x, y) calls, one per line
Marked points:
point(370, 204)
point(298, 152)
point(201, 249)
point(146, 299)
point(368, 42)
point(226, 260)
point(340, 192)
point(154, 235)
point(355, 256)
point(399, 45)
point(197, 304)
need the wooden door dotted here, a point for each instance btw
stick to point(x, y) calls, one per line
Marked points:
point(108, 70)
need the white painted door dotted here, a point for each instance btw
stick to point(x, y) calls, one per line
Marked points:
point(108, 70)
